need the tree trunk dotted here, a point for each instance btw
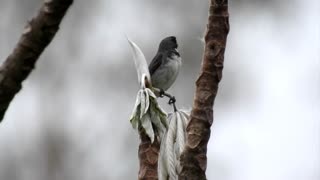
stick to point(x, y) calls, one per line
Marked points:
point(148, 157)
point(194, 158)
point(36, 36)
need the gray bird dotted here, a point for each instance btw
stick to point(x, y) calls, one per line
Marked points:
point(165, 66)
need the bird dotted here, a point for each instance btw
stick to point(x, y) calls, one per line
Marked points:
point(165, 66)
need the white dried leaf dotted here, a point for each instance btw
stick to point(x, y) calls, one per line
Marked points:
point(147, 100)
point(169, 149)
point(151, 93)
point(186, 116)
point(135, 122)
point(147, 126)
point(156, 120)
point(181, 133)
point(142, 103)
point(172, 146)
point(162, 162)
point(140, 63)
point(137, 103)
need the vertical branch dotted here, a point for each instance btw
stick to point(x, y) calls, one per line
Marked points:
point(194, 158)
point(36, 36)
point(148, 157)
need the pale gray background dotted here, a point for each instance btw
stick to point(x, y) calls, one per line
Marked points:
point(70, 121)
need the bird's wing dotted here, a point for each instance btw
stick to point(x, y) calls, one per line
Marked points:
point(155, 63)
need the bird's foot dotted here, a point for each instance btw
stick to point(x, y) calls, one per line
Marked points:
point(172, 101)
point(161, 93)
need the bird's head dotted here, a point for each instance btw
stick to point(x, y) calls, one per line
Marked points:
point(168, 43)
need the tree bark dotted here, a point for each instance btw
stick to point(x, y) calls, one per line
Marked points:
point(36, 36)
point(194, 158)
point(148, 157)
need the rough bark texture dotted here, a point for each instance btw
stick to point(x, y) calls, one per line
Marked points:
point(148, 157)
point(194, 158)
point(37, 34)
point(148, 153)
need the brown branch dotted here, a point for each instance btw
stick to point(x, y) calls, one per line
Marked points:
point(148, 157)
point(36, 36)
point(194, 158)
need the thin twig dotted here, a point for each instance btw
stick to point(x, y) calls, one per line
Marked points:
point(169, 96)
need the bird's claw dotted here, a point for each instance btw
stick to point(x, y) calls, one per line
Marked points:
point(172, 100)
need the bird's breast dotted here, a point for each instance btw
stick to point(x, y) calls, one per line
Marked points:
point(166, 75)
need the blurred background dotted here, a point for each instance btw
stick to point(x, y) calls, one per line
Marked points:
point(71, 119)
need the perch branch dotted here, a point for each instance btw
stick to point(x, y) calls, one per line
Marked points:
point(148, 157)
point(168, 96)
point(194, 158)
point(36, 36)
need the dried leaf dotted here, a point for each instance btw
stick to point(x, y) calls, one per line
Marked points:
point(140, 62)
point(143, 103)
point(147, 101)
point(147, 126)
